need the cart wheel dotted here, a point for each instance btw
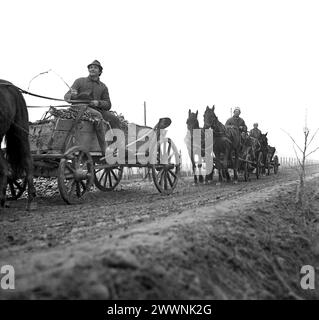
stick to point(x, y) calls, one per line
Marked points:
point(75, 175)
point(166, 170)
point(276, 164)
point(107, 178)
point(15, 188)
point(259, 165)
point(247, 167)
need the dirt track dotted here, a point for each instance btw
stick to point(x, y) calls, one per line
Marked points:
point(203, 241)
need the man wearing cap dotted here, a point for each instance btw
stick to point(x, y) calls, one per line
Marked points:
point(236, 121)
point(255, 132)
point(92, 90)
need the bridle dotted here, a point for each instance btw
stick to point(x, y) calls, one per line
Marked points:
point(212, 125)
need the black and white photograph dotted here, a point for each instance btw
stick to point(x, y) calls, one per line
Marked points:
point(159, 150)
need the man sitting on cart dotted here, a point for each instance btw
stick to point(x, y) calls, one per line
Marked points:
point(237, 121)
point(92, 91)
point(255, 132)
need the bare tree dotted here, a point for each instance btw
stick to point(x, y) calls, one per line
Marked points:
point(301, 158)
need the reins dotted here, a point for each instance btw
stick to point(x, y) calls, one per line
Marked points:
point(43, 97)
point(8, 84)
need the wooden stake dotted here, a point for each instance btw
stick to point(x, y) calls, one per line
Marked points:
point(144, 113)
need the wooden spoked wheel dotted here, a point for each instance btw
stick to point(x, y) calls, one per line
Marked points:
point(16, 188)
point(166, 170)
point(107, 178)
point(259, 165)
point(75, 175)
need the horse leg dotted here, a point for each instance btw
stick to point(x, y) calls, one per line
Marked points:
point(226, 175)
point(236, 163)
point(209, 169)
point(31, 188)
point(221, 166)
point(194, 171)
point(263, 170)
point(200, 177)
point(225, 172)
point(209, 177)
point(3, 179)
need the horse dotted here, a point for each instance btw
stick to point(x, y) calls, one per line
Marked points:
point(227, 142)
point(14, 126)
point(251, 145)
point(200, 149)
point(263, 140)
point(267, 151)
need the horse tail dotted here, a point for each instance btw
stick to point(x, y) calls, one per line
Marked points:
point(17, 139)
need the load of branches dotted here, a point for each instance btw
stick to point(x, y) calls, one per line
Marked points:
point(72, 113)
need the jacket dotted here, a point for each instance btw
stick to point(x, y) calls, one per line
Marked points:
point(93, 89)
point(236, 122)
point(255, 132)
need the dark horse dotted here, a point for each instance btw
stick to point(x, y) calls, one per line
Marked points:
point(198, 148)
point(226, 142)
point(14, 126)
point(267, 151)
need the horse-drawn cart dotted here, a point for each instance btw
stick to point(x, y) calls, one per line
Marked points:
point(251, 160)
point(272, 163)
point(68, 149)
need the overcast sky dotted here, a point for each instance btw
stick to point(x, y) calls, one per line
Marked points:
point(262, 56)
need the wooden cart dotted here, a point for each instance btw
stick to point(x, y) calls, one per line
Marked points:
point(68, 149)
point(250, 161)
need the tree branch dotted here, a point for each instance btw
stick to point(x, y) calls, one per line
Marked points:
point(293, 140)
point(313, 136)
point(312, 152)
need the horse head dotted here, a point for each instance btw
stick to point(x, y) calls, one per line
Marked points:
point(208, 117)
point(263, 140)
point(192, 121)
point(211, 120)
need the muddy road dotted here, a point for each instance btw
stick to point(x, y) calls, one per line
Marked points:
point(136, 243)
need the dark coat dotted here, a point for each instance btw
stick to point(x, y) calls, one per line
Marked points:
point(236, 122)
point(93, 90)
point(255, 132)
